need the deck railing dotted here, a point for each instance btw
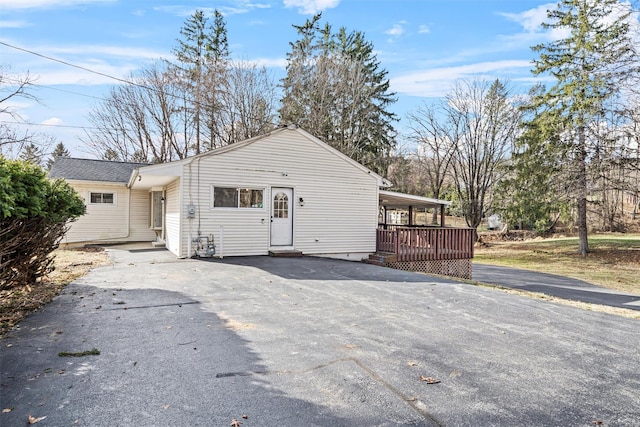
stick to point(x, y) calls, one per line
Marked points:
point(426, 244)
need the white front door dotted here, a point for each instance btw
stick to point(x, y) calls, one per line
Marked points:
point(281, 217)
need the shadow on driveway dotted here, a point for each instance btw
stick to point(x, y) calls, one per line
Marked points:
point(164, 360)
point(318, 268)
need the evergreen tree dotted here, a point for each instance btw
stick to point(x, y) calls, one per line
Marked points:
point(32, 154)
point(534, 195)
point(201, 54)
point(589, 67)
point(59, 151)
point(218, 44)
point(336, 90)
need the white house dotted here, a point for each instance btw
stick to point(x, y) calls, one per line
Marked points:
point(286, 190)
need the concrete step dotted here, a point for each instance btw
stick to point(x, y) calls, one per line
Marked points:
point(285, 253)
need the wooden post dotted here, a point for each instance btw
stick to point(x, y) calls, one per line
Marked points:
point(442, 217)
point(385, 216)
point(410, 216)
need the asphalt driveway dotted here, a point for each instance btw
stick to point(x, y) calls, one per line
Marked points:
point(308, 341)
point(554, 285)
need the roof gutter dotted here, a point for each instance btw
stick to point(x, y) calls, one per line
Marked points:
point(134, 175)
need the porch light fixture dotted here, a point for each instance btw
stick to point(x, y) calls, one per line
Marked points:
point(301, 201)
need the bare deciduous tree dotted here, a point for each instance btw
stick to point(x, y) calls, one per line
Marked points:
point(435, 150)
point(485, 124)
point(13, 142)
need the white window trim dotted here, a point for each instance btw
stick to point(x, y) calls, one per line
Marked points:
point(115, 198)
point(237, 187)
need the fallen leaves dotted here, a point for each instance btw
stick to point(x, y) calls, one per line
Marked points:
point(236, 423)
point(33, 420)
point(6, 410)
point(411, 363)
point(429, 380)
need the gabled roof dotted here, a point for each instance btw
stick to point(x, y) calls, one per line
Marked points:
point(239, 145)
point(93, 170)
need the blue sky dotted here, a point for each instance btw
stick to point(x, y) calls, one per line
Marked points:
point(424, 45)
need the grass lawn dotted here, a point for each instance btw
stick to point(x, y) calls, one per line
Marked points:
point(70, 264)
point(613, 261)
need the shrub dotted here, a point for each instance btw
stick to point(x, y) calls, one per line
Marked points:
point(34, 215)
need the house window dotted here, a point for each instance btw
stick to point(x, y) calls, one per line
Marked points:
point(233, 197)
point(102, 198)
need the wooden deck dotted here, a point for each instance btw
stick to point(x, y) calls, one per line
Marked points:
point(426, 243)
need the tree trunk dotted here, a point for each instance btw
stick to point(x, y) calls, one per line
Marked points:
point(583, 248)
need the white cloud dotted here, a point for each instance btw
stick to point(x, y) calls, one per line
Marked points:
point(309, 7)
point(397, 30)
point(185, 11)
point(270, 62)
point(436, 82)
point(46, 4)
point(424, 29)
point(53, 121)
point(531, 19)
point(89, 51)
point(14, 24)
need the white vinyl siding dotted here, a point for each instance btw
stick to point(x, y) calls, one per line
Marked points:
point(140, 211)
point(172, 217)
point(102, 222)
point(127, 220)
point(340, 199)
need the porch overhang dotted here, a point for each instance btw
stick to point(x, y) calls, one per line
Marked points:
point(154, 176)
point(394, 200)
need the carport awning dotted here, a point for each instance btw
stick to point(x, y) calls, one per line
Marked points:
point(393, 200)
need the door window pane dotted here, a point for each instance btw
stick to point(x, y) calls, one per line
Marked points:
point(156, 208)
point(280, 206)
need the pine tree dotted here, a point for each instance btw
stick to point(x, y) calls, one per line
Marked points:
point(203, 54)
point(336, 90)
point(589, 67)
point(59, 151)
point(32, 154)
point(534, 194)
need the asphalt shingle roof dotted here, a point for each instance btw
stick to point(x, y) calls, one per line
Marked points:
point(92, 170)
